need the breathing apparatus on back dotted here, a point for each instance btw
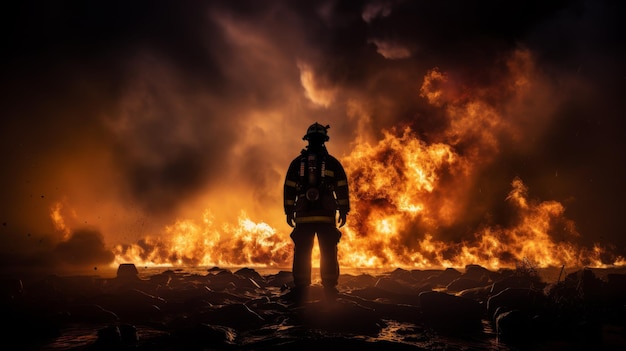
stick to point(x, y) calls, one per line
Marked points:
point(313, 161)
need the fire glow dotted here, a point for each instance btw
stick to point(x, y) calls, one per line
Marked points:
point(390, 194)
point(405, 193)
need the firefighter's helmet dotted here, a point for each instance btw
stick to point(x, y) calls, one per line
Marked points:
point(317, 130)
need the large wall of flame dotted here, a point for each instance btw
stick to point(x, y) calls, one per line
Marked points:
point(160, 132)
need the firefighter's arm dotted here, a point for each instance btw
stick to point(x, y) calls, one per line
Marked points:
point(290, 192)
point(343, 196)
point(342, 218)
point(291, 220)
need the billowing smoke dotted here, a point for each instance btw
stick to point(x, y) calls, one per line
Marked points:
point(122, 118)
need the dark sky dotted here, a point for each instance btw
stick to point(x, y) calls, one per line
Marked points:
point(120, 117)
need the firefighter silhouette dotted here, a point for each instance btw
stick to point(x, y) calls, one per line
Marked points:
point(315, 191)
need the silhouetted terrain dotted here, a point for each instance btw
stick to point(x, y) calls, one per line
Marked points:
point(449, 309)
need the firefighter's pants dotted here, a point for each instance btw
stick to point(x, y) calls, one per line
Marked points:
point(303, 238)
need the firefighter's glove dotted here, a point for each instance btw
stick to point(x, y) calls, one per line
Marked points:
point(291, 220)
point(342, 219)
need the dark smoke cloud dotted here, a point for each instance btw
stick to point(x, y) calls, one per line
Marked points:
point(132, 111)
point(84, 247)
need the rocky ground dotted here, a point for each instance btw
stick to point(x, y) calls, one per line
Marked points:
point(470, 309)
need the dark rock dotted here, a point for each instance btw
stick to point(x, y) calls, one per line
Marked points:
point(589, 286)
point(10, 288)
point(236, 315)
point(128, 334)
point(162, 279)
point(92, 313)
point(224, 280)
point(250, 273)
point(127, 271)
point(528, 300)
point(344, 316)
point(394, 286)
point(478, 273)
point(296, 296)
point(513, 282)
point(282, 278)
point(383, 295)
point(401, 274)
point(444, 278)
point(109, 337)
point(616, 288)
point(215, 270)
point(419, 275)
point(204, 336)
point(240, 311)
point(115, 337)
point(463, 283)
point(514, 326)
point(133, 304)
point(449, 311)
point(480, 293)
point(359, 281)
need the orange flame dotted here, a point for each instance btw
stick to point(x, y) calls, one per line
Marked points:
point(407, 195)
point(398, 210)
point(190, 243)
point(59, 219)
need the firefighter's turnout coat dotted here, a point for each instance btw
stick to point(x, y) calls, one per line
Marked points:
point(316, 187)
